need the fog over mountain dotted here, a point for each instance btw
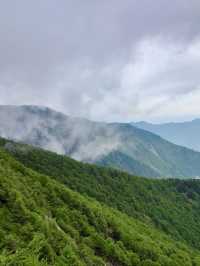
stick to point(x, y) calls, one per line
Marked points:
point(57, 132)
point(117, 145)
point(104, 61)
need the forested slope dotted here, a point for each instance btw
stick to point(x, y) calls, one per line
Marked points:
point(173, 206)
point(44, 223)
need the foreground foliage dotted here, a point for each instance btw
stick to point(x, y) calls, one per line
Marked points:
point(44, 223)
point(172, 206)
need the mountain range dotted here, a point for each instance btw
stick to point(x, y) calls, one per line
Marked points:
point(117, 145)
point(182, 133)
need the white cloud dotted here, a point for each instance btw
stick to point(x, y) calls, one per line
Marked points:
point(129, 65)
point(162, 72)
point(159, 75)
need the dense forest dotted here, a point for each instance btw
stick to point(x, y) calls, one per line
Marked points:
point(164, 203)
point(56, 211)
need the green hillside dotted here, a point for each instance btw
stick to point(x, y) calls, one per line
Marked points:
point(44, 223)
point(121, 161)
point(172, 206)
point(163, 157)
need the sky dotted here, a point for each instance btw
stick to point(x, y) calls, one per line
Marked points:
point(105, 60)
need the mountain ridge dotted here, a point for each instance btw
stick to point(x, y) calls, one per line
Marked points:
point(95, 142)
point(181, 133)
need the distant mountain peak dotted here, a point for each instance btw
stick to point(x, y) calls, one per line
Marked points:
point(181, 133)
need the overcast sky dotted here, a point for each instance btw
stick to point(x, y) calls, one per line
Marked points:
point(111, 60)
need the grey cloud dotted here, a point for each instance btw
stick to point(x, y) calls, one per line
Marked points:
point(105, 60)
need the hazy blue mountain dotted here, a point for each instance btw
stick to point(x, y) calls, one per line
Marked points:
point(184, 133)
point(112, 144)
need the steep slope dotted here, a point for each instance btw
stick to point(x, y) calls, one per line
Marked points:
point(44, 223)
point(172, 206)
point(140, 151)
point(124, 162)
point(184, 134)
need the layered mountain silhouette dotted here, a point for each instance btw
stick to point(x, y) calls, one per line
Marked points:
point(117, 145)
point(182, 133)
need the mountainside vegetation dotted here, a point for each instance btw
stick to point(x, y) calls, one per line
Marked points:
point(45, 223)
point(121, 161)
point(117, 145)
point(172, 206)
